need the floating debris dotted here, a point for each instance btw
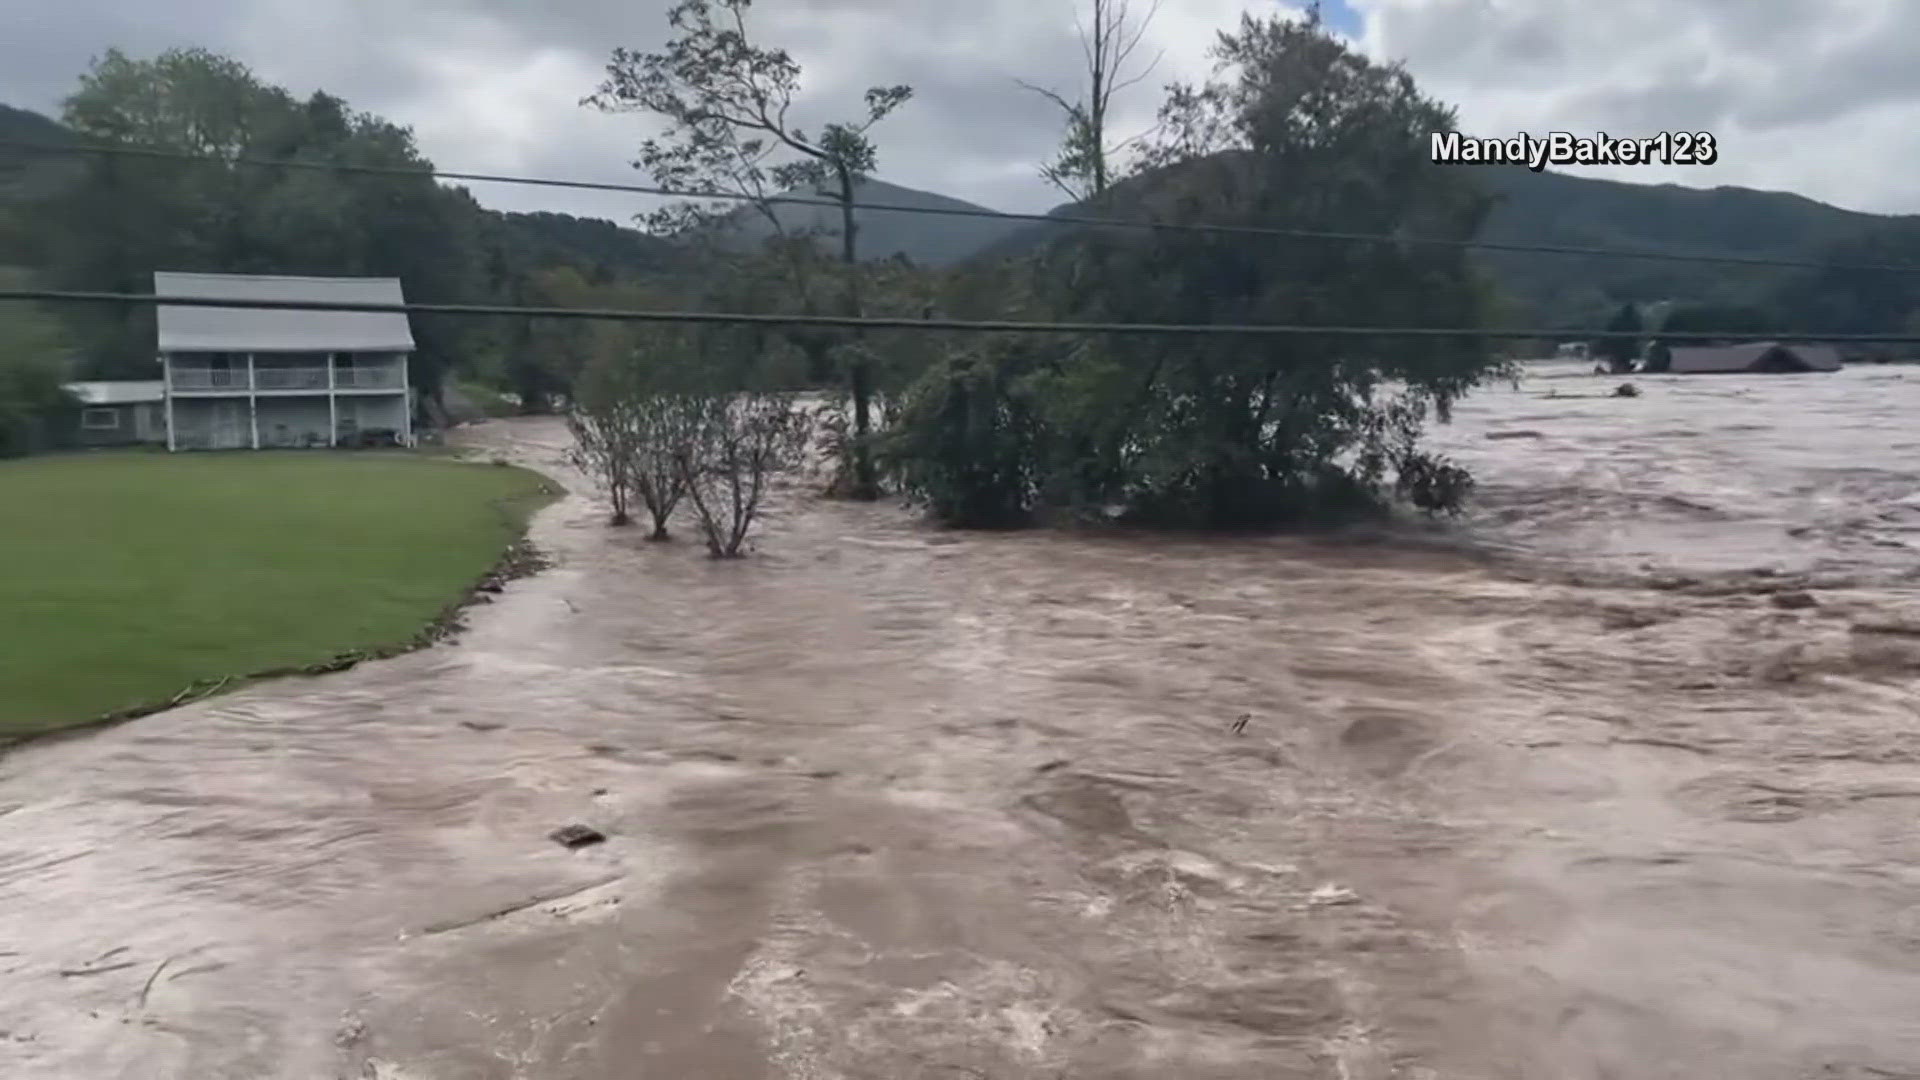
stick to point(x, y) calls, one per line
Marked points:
point(574, 837)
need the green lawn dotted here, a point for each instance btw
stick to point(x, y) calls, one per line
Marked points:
point(126, 576)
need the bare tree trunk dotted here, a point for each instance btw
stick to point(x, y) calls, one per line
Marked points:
point(866, 484)
point(1097, 100)
point(1085, 167)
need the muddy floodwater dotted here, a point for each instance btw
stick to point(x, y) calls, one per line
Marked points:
point(1617, 778)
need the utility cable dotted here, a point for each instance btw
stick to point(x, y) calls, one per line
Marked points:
point(996, 326)
point(1270, 232)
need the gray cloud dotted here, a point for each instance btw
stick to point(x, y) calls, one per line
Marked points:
point(1821, 96)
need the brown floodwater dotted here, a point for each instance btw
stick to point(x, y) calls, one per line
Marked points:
point(1618, 779)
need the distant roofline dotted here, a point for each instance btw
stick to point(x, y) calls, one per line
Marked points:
point(270, 350)
point(158, 274)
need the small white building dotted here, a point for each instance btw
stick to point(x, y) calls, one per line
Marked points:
point(249, 378)
point(120, 412)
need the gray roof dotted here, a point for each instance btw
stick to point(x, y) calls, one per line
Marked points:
point(265, 330)
point(117, 391)
point(1715, 359)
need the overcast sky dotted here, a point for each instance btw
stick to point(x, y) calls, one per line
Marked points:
point(1821, 97)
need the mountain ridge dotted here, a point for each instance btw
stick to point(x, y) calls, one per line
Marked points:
point(1544, 208)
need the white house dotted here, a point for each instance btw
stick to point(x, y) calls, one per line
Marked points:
point(247, 378)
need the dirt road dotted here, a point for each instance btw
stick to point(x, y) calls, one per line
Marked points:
point(890, 803)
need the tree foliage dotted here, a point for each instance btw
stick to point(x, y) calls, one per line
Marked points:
point(34, 405)
point(1619, 352)
point(1294, 130)
point(633, 421)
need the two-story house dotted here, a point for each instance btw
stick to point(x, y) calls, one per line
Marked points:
point(249, 378)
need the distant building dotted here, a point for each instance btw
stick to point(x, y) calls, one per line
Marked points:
point(1770, 357)
point(120, 412)
point(250, 378)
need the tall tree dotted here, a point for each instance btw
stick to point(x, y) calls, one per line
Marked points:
point(1109, 37)
point(727, 103)
point(1619, 352)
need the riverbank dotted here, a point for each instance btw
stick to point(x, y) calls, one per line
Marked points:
point(141, 580)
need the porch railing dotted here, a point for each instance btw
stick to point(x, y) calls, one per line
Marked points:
point(290, 378)
point(367, 378)
point(287, 378)
point(208, 378)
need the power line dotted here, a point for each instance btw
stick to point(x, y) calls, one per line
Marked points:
point(905, 323)
point(1272, 232)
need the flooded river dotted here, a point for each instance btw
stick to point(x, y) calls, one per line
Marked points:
point(1619, 782)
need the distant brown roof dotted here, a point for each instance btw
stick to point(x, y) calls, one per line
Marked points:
point(1769, 356)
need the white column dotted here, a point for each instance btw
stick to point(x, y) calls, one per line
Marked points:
point(166, 395)
point(406, 404)
point(333, 401)
point(253, 405)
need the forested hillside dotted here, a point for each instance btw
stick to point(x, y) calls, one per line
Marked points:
point(1579, 292)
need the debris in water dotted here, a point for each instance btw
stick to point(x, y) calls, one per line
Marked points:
point(74, 973)
point(1794, 601)
point(1331, 895)
point(1240, 725)
point(574, 837)
point(1628, 619)
point(1056, 763)
point(1626, 389)
point(1518, 433)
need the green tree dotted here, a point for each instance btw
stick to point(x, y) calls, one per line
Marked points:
point(726, 102)
point(1296, 131)
point(1619, 352)
point(34, 405)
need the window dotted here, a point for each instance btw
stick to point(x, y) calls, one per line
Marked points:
point(100, 419)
